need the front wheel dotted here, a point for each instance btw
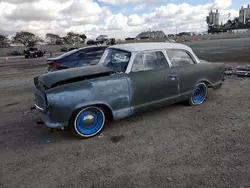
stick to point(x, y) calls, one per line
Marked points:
point(199, 94)
point(88, 122)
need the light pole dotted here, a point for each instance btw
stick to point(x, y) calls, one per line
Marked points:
point(176, 29)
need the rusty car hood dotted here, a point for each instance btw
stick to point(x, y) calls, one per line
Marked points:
point(73, 74)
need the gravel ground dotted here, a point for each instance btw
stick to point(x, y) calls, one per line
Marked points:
point(176, 146)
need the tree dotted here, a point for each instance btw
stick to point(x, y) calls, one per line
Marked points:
point(59, 42)
point(3, 38)
point(83, 37)
point(229, 21)
point(53, 39)
point(71, 38)
point(74, 38)
point(4, 41)
point(26, 38)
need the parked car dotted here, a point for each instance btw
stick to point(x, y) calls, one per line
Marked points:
point(64, 49)
point(91, 42)
point(70, 49)
point(129, 79)
point(34, 52)
point(15, 53)
point(76, 58)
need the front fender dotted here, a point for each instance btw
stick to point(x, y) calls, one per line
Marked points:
point(92, 103)
point(110, 91)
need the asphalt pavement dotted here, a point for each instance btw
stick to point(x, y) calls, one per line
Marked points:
point(177, 146)
point(227, 50)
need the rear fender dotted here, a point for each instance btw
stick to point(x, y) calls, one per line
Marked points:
point(215, 85)
point(204, 80)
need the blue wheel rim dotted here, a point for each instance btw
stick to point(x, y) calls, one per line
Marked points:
point(94, 125)
point(199, 94)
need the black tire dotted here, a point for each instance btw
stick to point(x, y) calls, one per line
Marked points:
point(76, 129)
point(202, 91)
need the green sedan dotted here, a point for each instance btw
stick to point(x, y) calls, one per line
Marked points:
point(129, 79)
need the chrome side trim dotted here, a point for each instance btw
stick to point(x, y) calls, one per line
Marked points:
point(39, 108)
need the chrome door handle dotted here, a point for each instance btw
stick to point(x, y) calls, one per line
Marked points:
point(173, 76)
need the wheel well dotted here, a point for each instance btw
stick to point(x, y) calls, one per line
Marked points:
point(209, 85)
point(107, 110)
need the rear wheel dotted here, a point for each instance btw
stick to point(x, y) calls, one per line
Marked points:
point(199, 94)
point(88, 122)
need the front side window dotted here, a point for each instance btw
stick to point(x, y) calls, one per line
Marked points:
point(154, 60)
point(115, 59)
point(138, 63)
point(179, 58)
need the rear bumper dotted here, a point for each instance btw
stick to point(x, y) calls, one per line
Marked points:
point(48, 121)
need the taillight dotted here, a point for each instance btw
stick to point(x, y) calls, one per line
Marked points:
point(54, 64)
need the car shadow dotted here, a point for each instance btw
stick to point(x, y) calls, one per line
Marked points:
point(35, 134)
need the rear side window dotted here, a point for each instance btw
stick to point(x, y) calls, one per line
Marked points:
point(94, 54)
point(86, 54)
point(154, 60)
point(75, 56)
point(138, 63)
point(179, 58)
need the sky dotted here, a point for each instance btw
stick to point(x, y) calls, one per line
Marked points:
point(115, 18)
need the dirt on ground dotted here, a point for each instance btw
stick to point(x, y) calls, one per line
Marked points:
point(176, 146)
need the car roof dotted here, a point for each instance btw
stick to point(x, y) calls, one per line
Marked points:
point(134, 47)
point(79, 49)
point(93, 46)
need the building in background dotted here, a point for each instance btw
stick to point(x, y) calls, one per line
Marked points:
point(244, 14)
point(213, 18)
point(240, 24)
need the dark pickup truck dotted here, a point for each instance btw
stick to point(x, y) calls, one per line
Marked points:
point(33, 53)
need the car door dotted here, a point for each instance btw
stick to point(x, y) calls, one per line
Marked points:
point(188, 70)
point(153, 83)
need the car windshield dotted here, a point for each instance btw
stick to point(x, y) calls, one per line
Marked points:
point(115, 59)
